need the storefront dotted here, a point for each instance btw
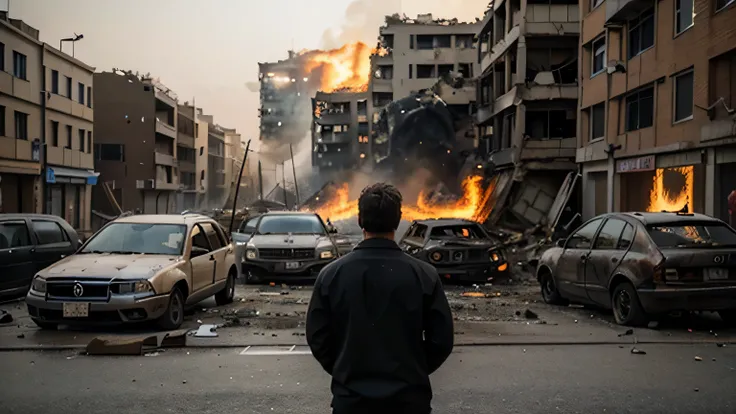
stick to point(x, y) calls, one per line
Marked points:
point(69, 195)
point(595, 189)
point(724, 203)
point(19, 187)
point(669, 182)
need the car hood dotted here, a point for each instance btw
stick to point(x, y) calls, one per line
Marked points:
point(285, 241)
point(460, 243)
point(118, 266)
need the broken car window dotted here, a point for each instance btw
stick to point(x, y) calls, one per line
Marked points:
point(461, 232)
point(138, 238)
point(583, 238)
point(608, 237)
point(692, 235)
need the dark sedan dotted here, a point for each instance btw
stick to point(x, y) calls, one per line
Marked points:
point(460, 250)
point(642, 265)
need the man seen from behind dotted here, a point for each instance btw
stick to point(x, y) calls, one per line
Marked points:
point(378, 321)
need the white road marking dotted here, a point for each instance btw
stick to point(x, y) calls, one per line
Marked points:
point(275, 350)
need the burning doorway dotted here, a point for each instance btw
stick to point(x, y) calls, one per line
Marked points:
point(664, 189)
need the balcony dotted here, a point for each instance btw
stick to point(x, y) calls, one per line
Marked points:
point(334, 138)
point(6, 81)
point(165, 129)
point(620, 11)
point(165, 159)
point(187, 167)
point(383, 60)
point(185, 140)
point(383, 85)
point(163, 185)
point(163, 97)
point(335, 119)
point(555, 19)
point(549, 148)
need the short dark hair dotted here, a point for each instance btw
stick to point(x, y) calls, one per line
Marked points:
point(379, 208)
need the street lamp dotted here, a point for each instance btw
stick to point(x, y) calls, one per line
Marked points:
point(73, 40)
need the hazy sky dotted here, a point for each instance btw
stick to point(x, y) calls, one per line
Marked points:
point(209, 49)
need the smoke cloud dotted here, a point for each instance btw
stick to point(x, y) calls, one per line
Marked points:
point(364, 17)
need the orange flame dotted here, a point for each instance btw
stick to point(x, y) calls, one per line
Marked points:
point(473, 205)
point(661, 199)
point(345, 69)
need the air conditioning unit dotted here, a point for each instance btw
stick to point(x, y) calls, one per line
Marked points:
point(140, 184)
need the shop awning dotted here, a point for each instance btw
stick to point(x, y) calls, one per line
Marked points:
point(71, 175)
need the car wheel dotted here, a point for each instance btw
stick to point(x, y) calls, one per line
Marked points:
point(550, 294)
point(728, 316)
point(226, 295)
point(627, 309)
point(46, 325)
point(173, 317)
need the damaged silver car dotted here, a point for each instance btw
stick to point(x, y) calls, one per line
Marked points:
point(285, 246)
point(642, 265)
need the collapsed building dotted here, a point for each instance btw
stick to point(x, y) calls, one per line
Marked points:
point(526, 115)
point(341, 130)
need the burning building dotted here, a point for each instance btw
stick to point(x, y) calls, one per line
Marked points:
point(341, 130)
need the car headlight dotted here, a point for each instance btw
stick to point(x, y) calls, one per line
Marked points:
point(139, 286)
point(240, 243)
point(39, 284)
point(250, 254)
point(436, 256)
point(326, 254)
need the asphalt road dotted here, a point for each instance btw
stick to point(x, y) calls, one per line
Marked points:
point(497, 379)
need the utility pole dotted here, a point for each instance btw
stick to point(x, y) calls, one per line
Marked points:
point(293, 169)
point(237, 189)
point(260, 181)
point(283, 180)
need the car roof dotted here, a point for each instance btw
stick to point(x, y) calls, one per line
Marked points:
point(445, 222)
point(654, 218)
point(289, 213)
point(29, 215)
point(164, 218)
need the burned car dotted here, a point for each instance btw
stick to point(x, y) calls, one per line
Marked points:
point(285, 245)
point(460, 250)
point(135, 269)
point(642, 265)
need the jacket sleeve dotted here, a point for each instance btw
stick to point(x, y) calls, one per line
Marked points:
point(438, 327)
point(319, 330)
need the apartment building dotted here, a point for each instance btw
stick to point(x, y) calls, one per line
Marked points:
point(341, 130)
point(202, 124)
point(657, 97)
point(285, 93)
point(218, 186)
point(527, 92)
point(135, 151)
point(186, 154)
point(46, 161)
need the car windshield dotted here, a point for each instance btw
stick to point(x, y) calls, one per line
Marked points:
point(692, 234)
point(468, 232)
point(295, 224)
point(131, 238)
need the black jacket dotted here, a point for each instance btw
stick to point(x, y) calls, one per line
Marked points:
point(379, 323)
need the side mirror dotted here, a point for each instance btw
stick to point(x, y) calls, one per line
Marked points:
point(561, 242)
point(333, 231)
point(198, 251)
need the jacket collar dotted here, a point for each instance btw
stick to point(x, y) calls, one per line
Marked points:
point(377, 244)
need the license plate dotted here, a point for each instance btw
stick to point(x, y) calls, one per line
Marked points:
point(76, 310)
point(292, 265)
point(716, 274)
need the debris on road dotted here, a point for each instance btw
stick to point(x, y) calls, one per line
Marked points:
point(530, 315)
point(5, 317)
point(720, 345)
point(638, 351)
point(270, 294)
point(627, 333)
point(135, 345)
point(206, 331)
point(473, 295)
point(697, 358)
point(21, 336)
point(653, 325)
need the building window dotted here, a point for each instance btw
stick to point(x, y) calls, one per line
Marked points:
point(89, 142)
point(81, 140)
point(68, 87)
point(722, 4)
point(640, 109)
point(411, 71)
point(81, 93)
point(426, 72)
point(411, 41)
point(110, 152)
point(19, 65)
point(595, 3)
point(598, 121)
point(54, 134)
point(641, 33)
point(684, 11)
point(55, 81)
point(2, 121)
point(68, 137)
point(599, 56)
point(21, 125)
point(466, 69)
point(443, 70)
point(2, 57)
point(684, 96)
point(89, 97)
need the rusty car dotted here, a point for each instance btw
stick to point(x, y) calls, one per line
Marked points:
point(137, 268)
point(461, 250)
point(642, 265)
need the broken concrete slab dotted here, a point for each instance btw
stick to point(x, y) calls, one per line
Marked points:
point(136, 345)
point(206, 331)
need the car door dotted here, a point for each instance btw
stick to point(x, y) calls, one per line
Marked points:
point(219, 251)
point(52, 243)
point(203, 264)
point(570, 271)
point(16, 256)
point(604, 257)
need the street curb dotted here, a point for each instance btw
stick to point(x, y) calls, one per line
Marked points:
point(51, 348)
